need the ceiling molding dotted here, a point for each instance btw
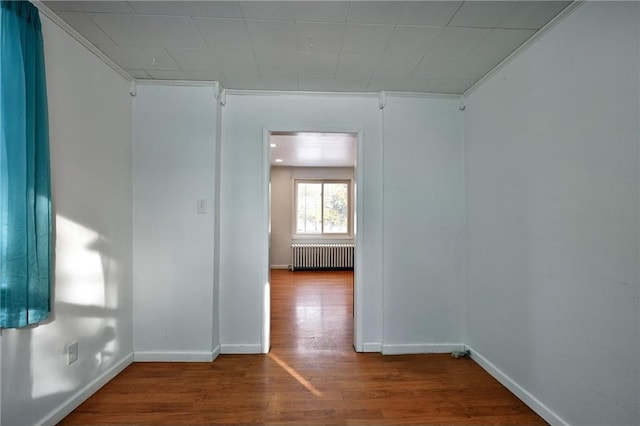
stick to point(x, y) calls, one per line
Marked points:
point(422, 95)
point(524, 46)
point(197, 83)
point(81, 39)
point(242, 92)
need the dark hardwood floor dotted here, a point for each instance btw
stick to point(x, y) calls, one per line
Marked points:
point(311, 376)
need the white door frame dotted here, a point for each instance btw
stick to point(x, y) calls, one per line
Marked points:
point(358, 297)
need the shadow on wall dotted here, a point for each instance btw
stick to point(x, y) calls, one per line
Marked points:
point(85, 309)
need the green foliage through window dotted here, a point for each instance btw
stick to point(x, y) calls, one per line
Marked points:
point(322, 207)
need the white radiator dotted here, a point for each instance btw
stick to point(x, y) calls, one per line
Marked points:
point(321, 256)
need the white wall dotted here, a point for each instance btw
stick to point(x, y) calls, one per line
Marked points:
point(424, 225)
point(552, 175)
point(423, 205)
point(174, 298)
point(243, 256)
point(90, 140)
point(282, 201)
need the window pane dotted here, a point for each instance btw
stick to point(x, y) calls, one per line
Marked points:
point(309, 212)
point(336, 208)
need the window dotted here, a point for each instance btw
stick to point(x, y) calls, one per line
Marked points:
point(322, 207)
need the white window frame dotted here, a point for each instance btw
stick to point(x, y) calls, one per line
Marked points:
point(326, 236)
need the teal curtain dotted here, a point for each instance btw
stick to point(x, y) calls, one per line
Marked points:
point(25, 188)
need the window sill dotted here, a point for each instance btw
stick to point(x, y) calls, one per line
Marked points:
point(326, 237)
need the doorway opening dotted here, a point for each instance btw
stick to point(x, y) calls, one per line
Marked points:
point(312, 239)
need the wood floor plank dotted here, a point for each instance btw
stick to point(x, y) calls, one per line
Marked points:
point(312, 376)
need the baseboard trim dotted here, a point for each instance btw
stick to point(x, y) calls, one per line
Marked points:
point(248, 348)
point(534, 403)
point(279, 266)
point(216, 352)
point(372, 347)
point(83, 394)
point(421, 348)
point(149, 356)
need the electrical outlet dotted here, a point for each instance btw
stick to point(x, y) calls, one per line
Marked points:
point(72, 353)
point(201, 206)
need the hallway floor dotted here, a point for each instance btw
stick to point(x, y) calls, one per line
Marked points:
point(311, 376)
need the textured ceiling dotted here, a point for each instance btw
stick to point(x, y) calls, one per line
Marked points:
point(303, 149)
point(356, 46)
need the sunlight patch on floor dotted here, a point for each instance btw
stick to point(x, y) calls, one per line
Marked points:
point(304, 382)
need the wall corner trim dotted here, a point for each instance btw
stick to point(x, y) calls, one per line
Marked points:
point(223, 97)
point(215, 353)
point(382, 100)
point(83, 394)
point(525, 396)
point(216, 89)
point(372, 347)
